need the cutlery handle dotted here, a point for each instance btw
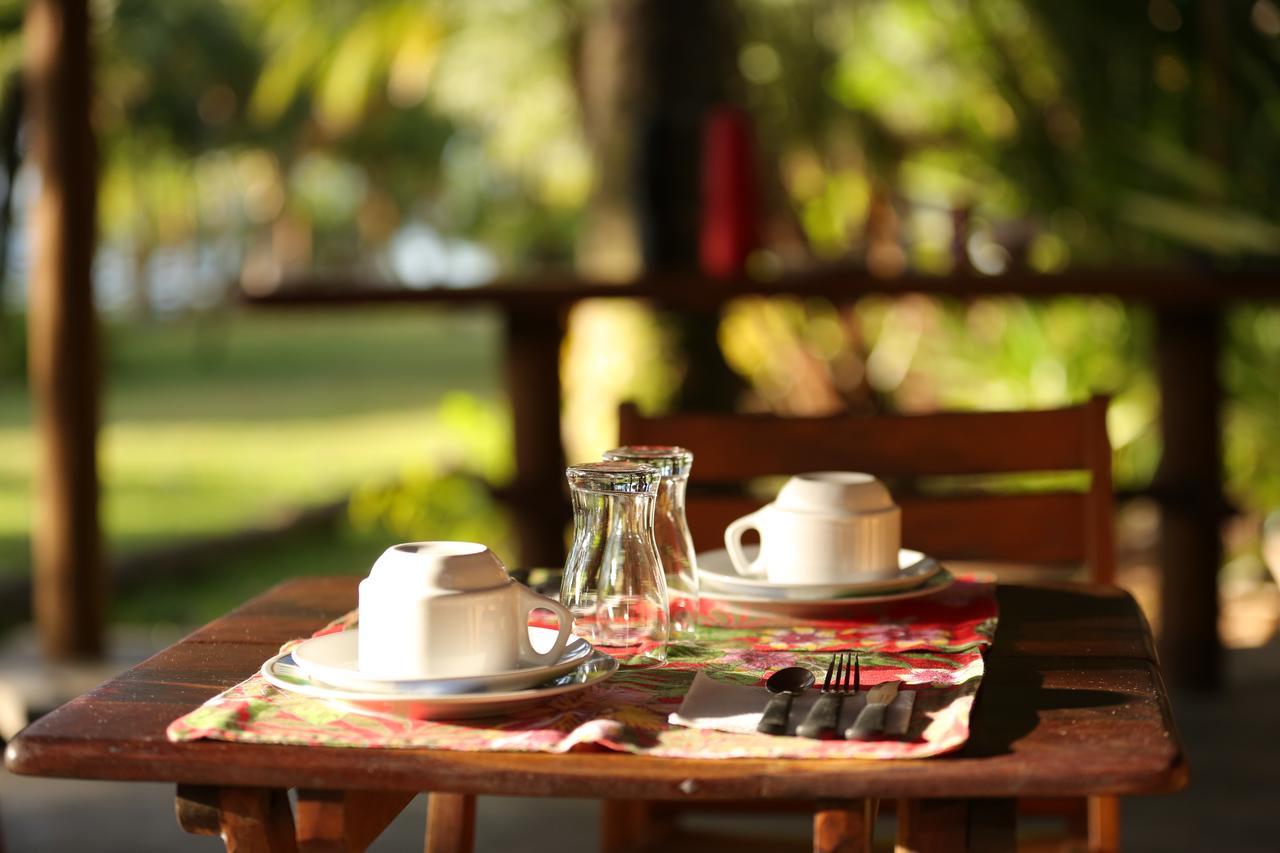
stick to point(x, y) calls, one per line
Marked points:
point(823, 717)
point(776, 714)
point(870, 722)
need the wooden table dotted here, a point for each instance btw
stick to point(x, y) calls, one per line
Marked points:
point(1073, 704)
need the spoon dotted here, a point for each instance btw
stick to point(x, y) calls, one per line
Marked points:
point(784, 685)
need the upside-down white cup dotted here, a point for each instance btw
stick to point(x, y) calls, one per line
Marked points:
point(442, 609)
point(824, 527)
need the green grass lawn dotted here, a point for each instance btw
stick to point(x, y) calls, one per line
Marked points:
point(211, 424)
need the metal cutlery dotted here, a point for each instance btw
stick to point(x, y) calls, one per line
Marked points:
point(823, 718)
point(870, 721)
point(784, 685)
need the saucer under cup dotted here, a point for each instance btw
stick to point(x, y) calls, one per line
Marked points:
point(719, 577)
point(428, 703)
point(331, 659)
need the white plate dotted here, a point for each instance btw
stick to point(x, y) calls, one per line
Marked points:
point(282, 673)
point(804, 608)
point(331, 659)
point(716, 571)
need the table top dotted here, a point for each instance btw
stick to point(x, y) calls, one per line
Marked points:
point(1072, 704)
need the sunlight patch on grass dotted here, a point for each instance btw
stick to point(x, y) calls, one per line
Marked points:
point(170, 481)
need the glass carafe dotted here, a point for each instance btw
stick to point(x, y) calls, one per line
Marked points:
point(613, 581)
point(671, 530)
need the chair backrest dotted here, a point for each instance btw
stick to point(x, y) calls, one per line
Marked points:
point(926, 460)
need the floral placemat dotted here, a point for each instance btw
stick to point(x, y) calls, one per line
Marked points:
point(933, 645)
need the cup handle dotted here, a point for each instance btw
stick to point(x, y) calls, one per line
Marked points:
point(529, 602)
point(733, 544)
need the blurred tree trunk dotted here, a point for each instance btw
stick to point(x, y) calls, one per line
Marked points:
point(688, 62)
point(649, 73)
point(69, 588)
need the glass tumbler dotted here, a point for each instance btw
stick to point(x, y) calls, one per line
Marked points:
point(613, 581)
point(671, 530)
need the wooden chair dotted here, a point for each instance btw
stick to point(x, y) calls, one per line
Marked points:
point(945, 470)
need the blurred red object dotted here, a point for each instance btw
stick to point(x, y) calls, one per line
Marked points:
point(730, 222)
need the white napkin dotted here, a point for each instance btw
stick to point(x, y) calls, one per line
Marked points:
point(728, 707)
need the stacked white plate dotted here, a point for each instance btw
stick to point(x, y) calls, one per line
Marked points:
point(325, 668)
point(718, 580)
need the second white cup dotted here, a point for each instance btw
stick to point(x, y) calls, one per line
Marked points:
point(825, 527)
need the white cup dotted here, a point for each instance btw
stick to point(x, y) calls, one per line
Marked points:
point(442, 609)
point(824, 527)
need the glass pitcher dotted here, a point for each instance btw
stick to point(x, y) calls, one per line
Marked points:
point(671, 530)
point(613, 581)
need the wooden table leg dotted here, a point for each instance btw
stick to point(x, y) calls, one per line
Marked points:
point(345, 821)
point(1104, 824)
point(249, 820)
point(636, 825)
point(941, 826)
point(844, 827)
point(451, 823)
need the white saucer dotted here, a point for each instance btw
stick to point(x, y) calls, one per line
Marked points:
point(331, 659)
point(806, 608)
point(716, 572)
point(281, 672)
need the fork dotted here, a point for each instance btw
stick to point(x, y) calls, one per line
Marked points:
point(824, 717)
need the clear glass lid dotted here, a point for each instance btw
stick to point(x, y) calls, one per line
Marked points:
point(614, 476)
point(671, 460)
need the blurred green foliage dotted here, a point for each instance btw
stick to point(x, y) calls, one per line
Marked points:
point(1105, 132)
point(447, 495)
point(421, 505)
point(343, 120)
point(1126, 132)
point(1252, 419)
point(1094, 123)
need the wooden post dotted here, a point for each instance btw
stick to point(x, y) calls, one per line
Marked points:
point(533, 381)
point(451, 823)
point(69, 589)
point(249, 820)
point(329, 821)
point(926, 825)
point(845, 827)
point(982, 826)
point(1189, 486)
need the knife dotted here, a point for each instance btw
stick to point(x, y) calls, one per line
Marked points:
point(870, 720)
